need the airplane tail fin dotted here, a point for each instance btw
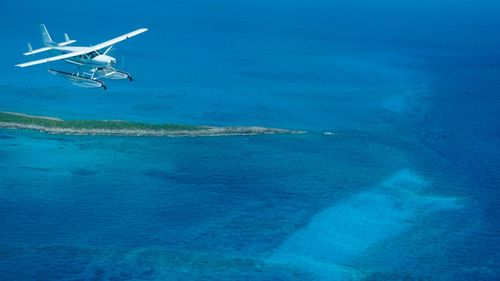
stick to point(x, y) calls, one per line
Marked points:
point(47, 40)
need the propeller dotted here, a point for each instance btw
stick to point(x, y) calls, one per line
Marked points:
point(121, 61)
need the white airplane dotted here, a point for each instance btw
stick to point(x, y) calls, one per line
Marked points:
point(93, 63)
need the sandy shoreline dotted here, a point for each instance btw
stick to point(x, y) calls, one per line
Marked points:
point(33, 116)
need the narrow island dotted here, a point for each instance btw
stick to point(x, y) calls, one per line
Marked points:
point(12, 120)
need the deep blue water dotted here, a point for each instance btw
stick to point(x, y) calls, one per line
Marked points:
point(406, 188)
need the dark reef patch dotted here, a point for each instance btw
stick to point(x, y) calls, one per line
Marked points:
point(83, 172)
point(159, 174)
point(36, 169)
point(5, 137)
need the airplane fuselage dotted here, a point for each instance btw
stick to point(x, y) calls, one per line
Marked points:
point(93, 58)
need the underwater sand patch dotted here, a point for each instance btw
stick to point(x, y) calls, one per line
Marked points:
point(342, 232)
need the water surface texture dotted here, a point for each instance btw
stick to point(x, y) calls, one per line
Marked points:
point(396, 179)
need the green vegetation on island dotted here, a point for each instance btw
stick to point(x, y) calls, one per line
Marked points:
point(9, 117)
point(51, 125)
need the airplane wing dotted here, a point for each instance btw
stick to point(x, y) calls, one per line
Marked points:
point(56, 58)
point(118, 39)
point(87, 50)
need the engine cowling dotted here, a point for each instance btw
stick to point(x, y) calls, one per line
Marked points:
point(104, 60)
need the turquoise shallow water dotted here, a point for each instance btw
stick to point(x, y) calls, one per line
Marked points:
point(404, 187)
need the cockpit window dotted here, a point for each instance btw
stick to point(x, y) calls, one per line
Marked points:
point(93, 54)
point(88, 56)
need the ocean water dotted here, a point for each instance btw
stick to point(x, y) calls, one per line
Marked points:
point(404, 185)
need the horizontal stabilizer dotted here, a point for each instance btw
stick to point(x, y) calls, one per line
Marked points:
point(32, 52)
point(66, 43)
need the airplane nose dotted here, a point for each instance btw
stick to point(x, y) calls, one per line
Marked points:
point(113, 61)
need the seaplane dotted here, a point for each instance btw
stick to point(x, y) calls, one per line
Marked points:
point(93, 63)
